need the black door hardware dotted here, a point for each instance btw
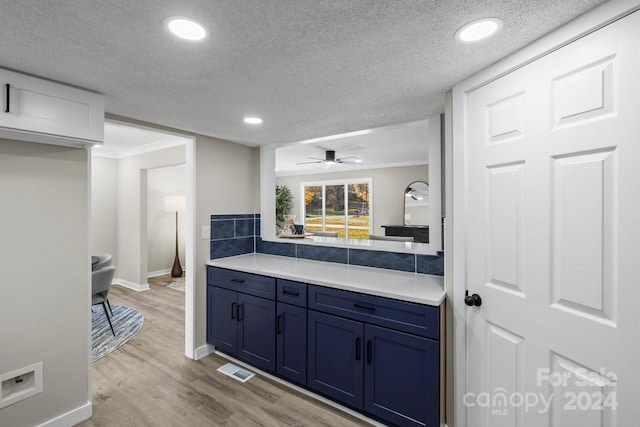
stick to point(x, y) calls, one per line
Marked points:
point(472, 300)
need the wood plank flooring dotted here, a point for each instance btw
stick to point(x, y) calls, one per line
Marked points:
point(149, 381)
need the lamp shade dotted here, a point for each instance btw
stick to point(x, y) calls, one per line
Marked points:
point(174, 203)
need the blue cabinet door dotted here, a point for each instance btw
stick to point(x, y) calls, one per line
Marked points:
point(257, 332)
point(401, 377)
point(336, 357)
point(291, 354)
point(222, 327)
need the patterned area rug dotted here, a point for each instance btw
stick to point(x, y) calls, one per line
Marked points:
point(176, 283)
point(127, 322)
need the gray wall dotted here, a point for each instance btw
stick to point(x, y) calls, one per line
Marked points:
point(388, 189)
point(44, 292)
point(132, 212)
point(104, 202)
point(227, 182)
point(161, 225)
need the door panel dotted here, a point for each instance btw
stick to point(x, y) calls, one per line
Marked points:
point(552, 198)
point(505, 185)
point(401, 377)
point(335, 365)
point(223, 326)
point(292, 342)
point(256, 331)
point(582, 256)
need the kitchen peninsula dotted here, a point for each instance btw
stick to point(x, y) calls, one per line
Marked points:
point(366, 338)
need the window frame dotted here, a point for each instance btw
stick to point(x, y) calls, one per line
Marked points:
point(345, 183)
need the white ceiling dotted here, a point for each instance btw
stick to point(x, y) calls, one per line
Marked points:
point(309, 68)
point(401, 145)
point(121, 140)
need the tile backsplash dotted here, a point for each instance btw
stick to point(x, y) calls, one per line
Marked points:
point(240, 234)
point(233, 234)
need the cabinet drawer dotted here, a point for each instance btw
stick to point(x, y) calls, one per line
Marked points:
point(292, 292)
point(413, 318)
point(247, 283)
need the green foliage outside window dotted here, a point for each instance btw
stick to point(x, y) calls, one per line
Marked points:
point(284, 201)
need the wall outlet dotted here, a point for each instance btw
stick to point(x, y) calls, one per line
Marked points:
point(206, 232)
point(20, 384)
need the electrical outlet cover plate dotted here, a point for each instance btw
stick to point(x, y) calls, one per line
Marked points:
point(20, 384)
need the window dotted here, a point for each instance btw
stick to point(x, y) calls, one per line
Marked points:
point(338, 206)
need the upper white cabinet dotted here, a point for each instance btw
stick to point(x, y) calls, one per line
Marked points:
point(39, 110)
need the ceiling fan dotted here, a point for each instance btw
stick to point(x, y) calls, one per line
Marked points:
point(330, 159)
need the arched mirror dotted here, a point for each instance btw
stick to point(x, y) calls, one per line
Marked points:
point(416, 204)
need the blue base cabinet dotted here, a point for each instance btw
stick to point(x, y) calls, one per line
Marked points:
point(291, 342)
point(240, 324)
point(401, 377)
point(222, 325)
point(256, 335)
point(335, 358)
point(376, 355)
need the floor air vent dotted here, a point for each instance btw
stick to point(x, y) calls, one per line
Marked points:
point(236, 372)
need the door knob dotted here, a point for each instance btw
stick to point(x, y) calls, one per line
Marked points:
point(472, 300)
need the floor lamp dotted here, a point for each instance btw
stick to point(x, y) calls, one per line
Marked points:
point(175, 204)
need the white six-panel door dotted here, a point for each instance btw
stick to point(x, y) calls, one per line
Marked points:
point(553, 198)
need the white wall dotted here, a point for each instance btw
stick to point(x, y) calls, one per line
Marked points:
point(161, 225)
point(45, 269)
point(104, 206)
point(132, 210)
point(388, 190)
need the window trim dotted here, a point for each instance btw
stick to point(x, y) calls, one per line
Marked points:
point(345, 183)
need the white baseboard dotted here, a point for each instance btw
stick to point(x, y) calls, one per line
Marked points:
point(158, 273)
point(302, 390)
point(163, 272)
point(203, 351)
point(130, 285)
point(71, 418)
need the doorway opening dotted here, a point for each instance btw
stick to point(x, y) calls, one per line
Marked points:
point(134, 175)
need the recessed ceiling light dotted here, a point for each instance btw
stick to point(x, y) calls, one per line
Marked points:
point(252, 120)
point(480, 29)
point(185, 28)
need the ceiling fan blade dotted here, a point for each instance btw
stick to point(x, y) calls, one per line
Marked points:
point(350, 163)
point(308, 163)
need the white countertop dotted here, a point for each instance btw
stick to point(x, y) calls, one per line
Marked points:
point(412, 287)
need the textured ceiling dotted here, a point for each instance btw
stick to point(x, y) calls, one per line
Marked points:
point(309, 68)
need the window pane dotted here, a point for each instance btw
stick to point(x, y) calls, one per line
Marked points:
point(358, 211)
point(313, 208)
point(334, 209)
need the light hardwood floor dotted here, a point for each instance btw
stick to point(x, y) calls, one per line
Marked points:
point(149, 381)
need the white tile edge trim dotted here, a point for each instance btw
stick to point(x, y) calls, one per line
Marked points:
point(71, 418)
point(130, 285)
point(301, 390)
point(203, 351)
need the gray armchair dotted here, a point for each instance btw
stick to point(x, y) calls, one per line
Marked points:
point(100, 283)
point(104, 260)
